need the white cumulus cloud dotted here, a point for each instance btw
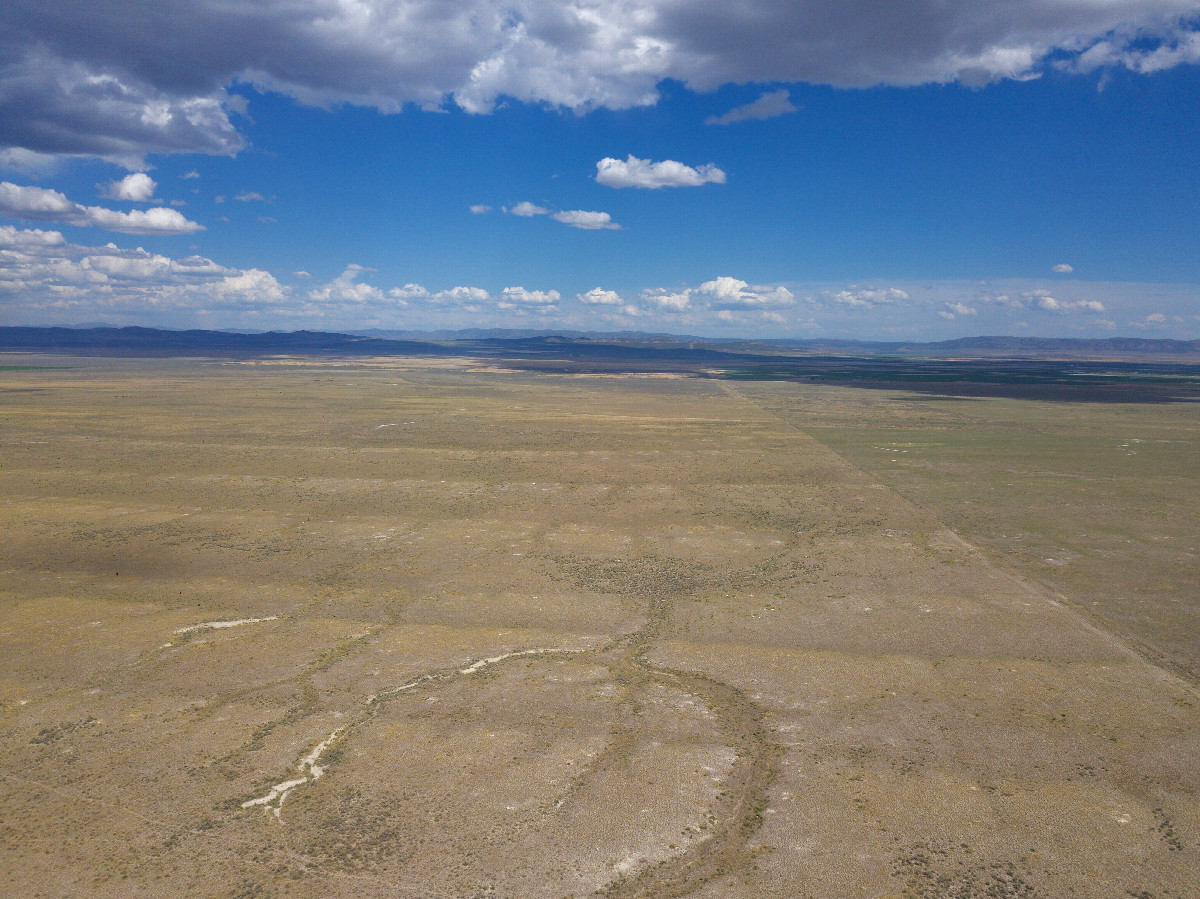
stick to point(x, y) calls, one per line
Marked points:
point(869, 296)
point(1168, 47)
point(1043, 300)
point(462, 295)
point(664, 299)
point(80, 80)
point(589, 221)
point(150, 221)
point(598, 296)
point(137, 188)
point(576, 218)
point(59, 281)
point(634, 172)
point(1153, 320)
point(1063, 268)
point(726, 292)
point(409, 291)
point(29, 240)
point(346, 288)
point(529, 297)
point(952, 310)
point(723, 293)
point(42, 204)
point(527, 209)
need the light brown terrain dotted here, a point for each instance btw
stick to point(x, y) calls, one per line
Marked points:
point(416, 631)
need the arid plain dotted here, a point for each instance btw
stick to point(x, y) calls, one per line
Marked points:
point(417, 628)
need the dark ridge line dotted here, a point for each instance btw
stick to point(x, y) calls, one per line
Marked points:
point(142, 341)
point(1154, 377)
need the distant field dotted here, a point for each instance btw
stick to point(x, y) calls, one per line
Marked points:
point(1099, 502)
point(1053, 380)
point(438, 627)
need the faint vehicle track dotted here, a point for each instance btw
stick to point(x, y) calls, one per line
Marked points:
point(309, 768)
point(737, 813)
point(738, 810)
point(732, 819)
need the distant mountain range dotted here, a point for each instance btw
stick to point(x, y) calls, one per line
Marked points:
point(498, 343)
point(1116, 370)
point(1018, 346)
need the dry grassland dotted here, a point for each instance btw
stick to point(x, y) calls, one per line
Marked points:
point(390, 630)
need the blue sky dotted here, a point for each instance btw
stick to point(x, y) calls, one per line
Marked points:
point(815, 169)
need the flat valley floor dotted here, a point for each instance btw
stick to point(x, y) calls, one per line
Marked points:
point(438, 629)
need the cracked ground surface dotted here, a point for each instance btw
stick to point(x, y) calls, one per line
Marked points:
point(386, 630)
